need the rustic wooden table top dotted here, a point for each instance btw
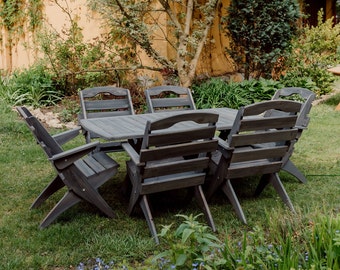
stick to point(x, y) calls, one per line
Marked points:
point(133, 126)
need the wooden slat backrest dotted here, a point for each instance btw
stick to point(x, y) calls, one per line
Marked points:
point(276, 133)
point(165, 152)
point(303, 95)
point(105, 101)
point(168, 97)
point(46, 141)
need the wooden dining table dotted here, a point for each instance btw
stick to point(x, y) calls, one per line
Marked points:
point(133, 126)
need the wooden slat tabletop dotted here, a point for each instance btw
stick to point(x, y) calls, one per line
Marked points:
point(133, 126)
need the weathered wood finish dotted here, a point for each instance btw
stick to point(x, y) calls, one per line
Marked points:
point(238, 158)
point(169, 97)
point(169, 161)
point(133, 126)
point(104, 101)
point(306, 97)
point(79, 169)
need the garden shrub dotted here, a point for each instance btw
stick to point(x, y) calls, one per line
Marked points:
point(33, 86)
point(316, 49)
point(261, 32)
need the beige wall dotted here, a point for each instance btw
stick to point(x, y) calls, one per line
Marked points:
point(24, 53)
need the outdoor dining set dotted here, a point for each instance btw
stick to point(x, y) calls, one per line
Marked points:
point(173, 146)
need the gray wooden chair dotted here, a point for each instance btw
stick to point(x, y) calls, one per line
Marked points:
point(104, 101)
point(172, 158)
point(169, 97)
point(306, 97)
point(81, 173)
point(237, 158)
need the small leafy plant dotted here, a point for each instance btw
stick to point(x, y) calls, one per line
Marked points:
point(33, 86)
point(191, 246)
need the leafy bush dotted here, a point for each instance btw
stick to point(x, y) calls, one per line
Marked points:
point(218, 93)
point(317, 248)
point(316, 49)
point(261, 33)
point(33, 86)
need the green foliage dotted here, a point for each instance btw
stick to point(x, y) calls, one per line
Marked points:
point(191, 246)
point(316, 49)
point(15, 13)
point(70, 110)
point(218, 93)
point(261, 33)
point(75, 63)
point(11, 13)
point(33, 86)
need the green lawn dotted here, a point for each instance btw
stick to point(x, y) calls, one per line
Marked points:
point(82, 234)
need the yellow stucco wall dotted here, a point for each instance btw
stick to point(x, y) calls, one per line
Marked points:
point(24, 53)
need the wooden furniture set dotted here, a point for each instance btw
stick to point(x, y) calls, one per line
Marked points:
point(177, 147)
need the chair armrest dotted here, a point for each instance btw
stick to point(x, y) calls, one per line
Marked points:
point(223, 144)
point(66, 158)
point(224, 148)
point(66, 136)
point(132, 153)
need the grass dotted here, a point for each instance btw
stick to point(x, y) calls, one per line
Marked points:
point(82, 234)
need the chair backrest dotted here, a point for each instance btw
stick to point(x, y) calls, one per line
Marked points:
point(276, 133)
point(303, 95)
point(168, 97)
point(178, 148)
point(105, 101)
point(45, 140)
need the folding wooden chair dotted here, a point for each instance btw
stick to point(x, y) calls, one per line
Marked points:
point(104, 101)
point(80, 172)
point(175, 154)
point(168, 97)
point(237, 158)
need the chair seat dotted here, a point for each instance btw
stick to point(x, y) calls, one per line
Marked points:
point(95, 164)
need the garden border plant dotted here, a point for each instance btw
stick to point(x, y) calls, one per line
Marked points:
point(261, 34)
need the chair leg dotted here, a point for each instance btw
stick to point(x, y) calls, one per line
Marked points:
point(88, 193)
point(229, 191)
point(126, 186)
point(65, 203)
point(264, 181)
point(147, 213)
point(293, 170)
point(133, 200)
point(50, 189)
point(216, 181)
point(277, 184)
point(202, 202)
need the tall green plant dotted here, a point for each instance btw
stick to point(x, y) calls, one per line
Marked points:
point(315, 50)
point(33, 86)
point(261, 32)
